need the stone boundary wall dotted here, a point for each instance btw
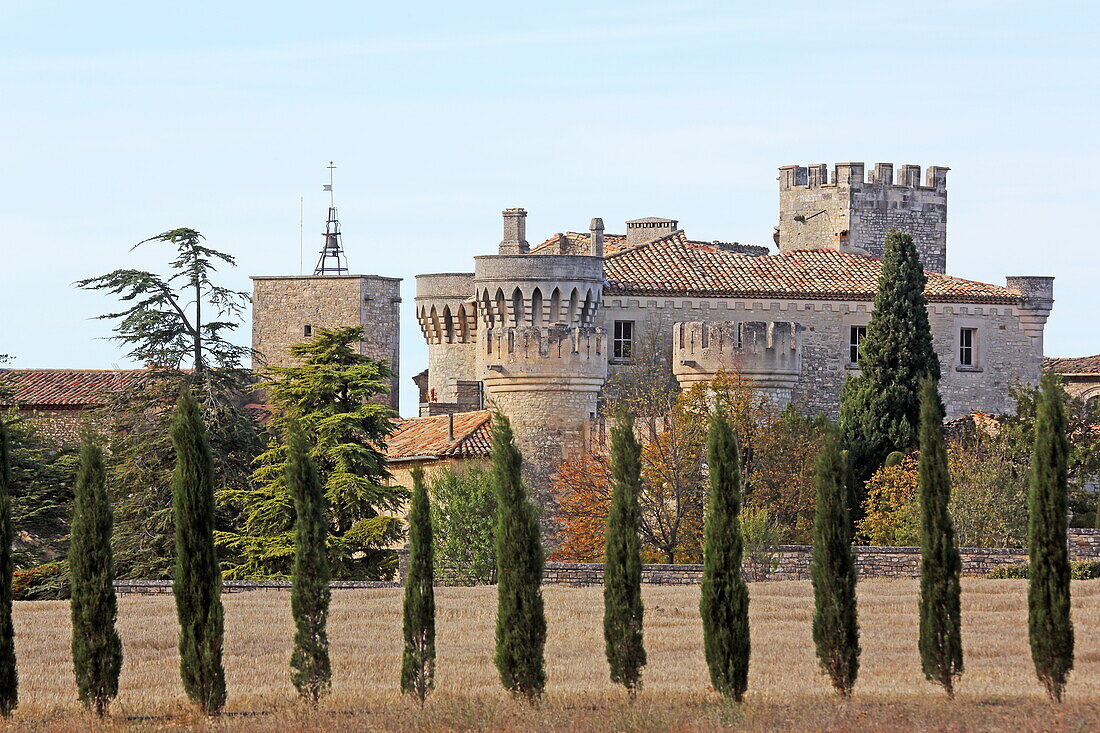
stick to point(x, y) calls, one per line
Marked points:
point(784, 562)
point(164, 587)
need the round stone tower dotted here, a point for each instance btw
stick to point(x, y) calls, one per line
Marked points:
point(447, 314)
point(767, 354)
point(540, 354)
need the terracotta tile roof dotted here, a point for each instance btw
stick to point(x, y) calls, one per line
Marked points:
point(577, 243)
point(674, 265)
point(62, 387)
point(428, 437)
point(1078, 365)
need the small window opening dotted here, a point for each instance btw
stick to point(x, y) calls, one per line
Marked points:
point(966, 346)
point(623, 341)
point(307, 330)
point(855, 339)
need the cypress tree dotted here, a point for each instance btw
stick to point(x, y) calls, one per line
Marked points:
point(418, 663)
point(622, 580)
point(9, 677)
point(521, 621)
point(724, 604)
point(96, 646)
point(940, 623)
point(1048, 603)
point(311, 671)
point(880, 408)
point(198, 580)
point(835, 623)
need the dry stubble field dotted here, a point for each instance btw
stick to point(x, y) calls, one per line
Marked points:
point(786, 691)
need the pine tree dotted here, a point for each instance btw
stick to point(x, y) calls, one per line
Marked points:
point(724, 604)
point(940, 611)
point(178, 323)
point(835, 623)
point(96, 646)
point(880, 408)
point(622, 580)
point(9, 677)
point(311, 671)
point(418, 663)
point(521, 620)
point(332, 393)
point(1049, 625)
point(198, 580)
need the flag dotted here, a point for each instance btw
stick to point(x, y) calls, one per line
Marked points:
point(328, 187)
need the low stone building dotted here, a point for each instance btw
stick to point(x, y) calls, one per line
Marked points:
point(59, 401)
point(437, 442)
point(1080, 375)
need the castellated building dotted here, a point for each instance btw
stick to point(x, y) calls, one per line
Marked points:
point(538, 330)
point(288, 309)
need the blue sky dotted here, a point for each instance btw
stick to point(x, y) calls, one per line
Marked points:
point(122, 120)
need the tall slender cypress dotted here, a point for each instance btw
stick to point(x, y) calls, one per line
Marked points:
point(96, 646)
point(198, 580)
point(622, 579)
point(835, 623)
point(724, 604)
point(418, 662)
point(9, 677)
point(521, 620)
point(880, 408)
point(311, 671)
point(1048, 619)
point(940, 640)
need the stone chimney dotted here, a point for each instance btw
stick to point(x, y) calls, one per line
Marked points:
point(515, 233)
point(595, 237)
point(640, 231)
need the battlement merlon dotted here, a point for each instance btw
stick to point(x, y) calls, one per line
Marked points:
point(856, 175)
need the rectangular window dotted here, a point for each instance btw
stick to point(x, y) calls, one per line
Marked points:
point(307, 330)
point(623, 341)
point(855, 338)
point(967, 339)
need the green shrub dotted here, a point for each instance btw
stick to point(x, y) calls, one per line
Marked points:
point(1078, 570)
point(48, 582)
point(1017, 571)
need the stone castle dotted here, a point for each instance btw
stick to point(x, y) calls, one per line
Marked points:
point(537, 331)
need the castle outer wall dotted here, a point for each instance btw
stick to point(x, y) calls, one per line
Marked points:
point(1008, 353)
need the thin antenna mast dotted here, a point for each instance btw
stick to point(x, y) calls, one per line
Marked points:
point(301, 235)
point(332, 260)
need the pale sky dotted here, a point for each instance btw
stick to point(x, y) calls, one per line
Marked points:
point(121, 120)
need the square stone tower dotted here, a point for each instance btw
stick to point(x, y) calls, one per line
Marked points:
point(288, 309)
point(852, 213)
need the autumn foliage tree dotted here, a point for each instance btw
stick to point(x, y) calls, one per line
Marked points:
point(776, 454)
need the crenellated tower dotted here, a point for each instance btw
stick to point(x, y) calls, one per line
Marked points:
point(522, 327)
point(767, 354)
point(854, 209)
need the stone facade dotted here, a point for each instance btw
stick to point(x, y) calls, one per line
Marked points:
point(287, 310)
point(853, 212)
point(1007, 349)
